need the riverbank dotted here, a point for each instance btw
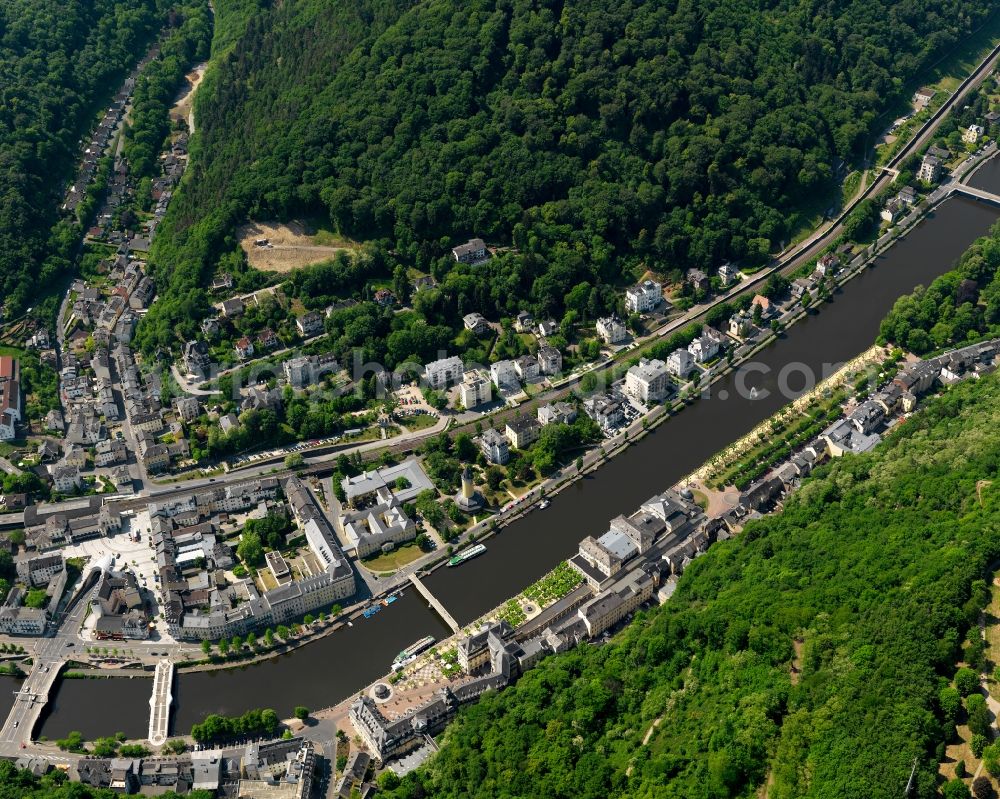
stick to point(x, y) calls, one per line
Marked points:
point(647, 463)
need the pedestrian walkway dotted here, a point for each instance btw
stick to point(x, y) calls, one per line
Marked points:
point(159, 703)
point(434, 603)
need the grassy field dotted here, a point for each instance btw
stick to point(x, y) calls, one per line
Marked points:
point(420, 422)
point(949, 71)
point(395, 560)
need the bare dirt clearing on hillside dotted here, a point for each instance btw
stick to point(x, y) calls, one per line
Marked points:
point(289, 246)
point(183, 107)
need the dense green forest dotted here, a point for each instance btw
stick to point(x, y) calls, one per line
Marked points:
point(961, 305)
point(61, 61)
point(597, 138)
point(809, 653)
point(159, 83)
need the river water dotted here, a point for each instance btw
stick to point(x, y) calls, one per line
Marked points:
point(325, 672)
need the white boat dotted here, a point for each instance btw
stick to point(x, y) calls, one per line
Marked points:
point(543, 504)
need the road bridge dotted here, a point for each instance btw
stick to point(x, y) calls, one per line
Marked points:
point(159, 703)
point(979, 194)
point(29, 701)
point(434, 603)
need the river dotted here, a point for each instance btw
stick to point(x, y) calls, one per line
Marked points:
point(325, 672)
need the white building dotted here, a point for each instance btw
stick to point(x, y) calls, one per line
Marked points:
point(444, 372)
point(473, 251)
point(66, 478)
point(476, 389)
point(930, 169)
point(307, 370)
point(494, 446)
point(475, 323)
point(643, 297)
point(703, 348)
point(648, 381)
point(728, 274)
point(679, 362)
point(504, 374)
point(611, 330)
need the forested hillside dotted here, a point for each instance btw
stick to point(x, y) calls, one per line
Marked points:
point(593, 136)
point(60, 61)
point(808, 653)
point(961, 305)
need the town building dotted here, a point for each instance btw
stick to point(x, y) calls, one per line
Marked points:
point(19, 620)
point(891, 211)
point(476, 389)
point(494, 446)
point(268, 339)
point(648, 381)
point(196, 606)
point(728, 274)
point(10, 397)
point(187, 408)
point(767, 308)
point(524, 322)
point(703, 349)
point(66, 478)
point(444, 372)
point(474, 651)
point(523, 431)
point(644, 297)
point(930, 169)
point(406, 480)
point(680, 363)
point(611, 330)
point(244, 348)
point(610, 607)
point(548, 327)
point(39, 570)
point(504, 374)
point(110, 452)
point(118, 608)
point(842, 438)
point(549, 360)
point(377, 527)
point(741, 324)
point(828, 265)
point(233, 308)
point(308, 370)
point(476, 323)
point(472, 252)
point(527, 368)
point(606, 411)
point(309, 324)
point(277, 769)
point(559, 412)
point(972, 134)
point(922, 96)
point(698, 279)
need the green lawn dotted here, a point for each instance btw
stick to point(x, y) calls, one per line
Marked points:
point(395, 560)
